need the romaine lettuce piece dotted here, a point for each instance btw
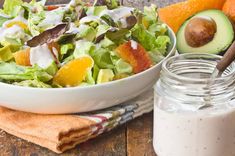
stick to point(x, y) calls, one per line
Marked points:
point(33, 21)
point(12, 7)
point(3, 20)
point(107, 43)
point(102, 58)
point(65, 48)
point(102, 29)
point(96, 70)
point(158, 29)
point(86, 32)
point(150, 15)
point(161, 44)
point(32, 83)
point(13, 72)
point(145, 38)
point(83, 48)
point(95, 10)
point(89, 79)
point(52, 19)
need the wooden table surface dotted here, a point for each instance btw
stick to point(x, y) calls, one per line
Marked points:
point(132, 139)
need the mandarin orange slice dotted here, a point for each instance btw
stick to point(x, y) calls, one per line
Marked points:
point(136, 55)
point(74, 72)
point(22, 57)
point(176, 14)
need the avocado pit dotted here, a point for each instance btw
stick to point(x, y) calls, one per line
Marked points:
point(200, 31)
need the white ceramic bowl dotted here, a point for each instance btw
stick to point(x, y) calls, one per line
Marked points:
point(81, 99)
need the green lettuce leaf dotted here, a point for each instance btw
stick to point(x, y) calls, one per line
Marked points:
point(86, 32)
point(102, 29)
point(13, 72)
point(107, 43)
point(65, 48)
point(102, 58)
point(95, 10)
point(158, 29)
point(83, 48)
point(161, 44)
point(12, 7)
point(96, 70)
point(32, 83)
point(3, 20)
point(89, 78)
point(145, 38)
point(52, 19)
point(150, 14)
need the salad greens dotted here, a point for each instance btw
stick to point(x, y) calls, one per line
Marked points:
point(40, 45)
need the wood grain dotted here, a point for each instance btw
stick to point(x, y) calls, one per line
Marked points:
point(139, 136)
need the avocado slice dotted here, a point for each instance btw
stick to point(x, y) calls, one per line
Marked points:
point(221, 40)
point(105, 75)
point(5, 53)
point(14, 45)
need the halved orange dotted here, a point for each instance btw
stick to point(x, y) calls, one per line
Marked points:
point(74, 72)
point(175, 15)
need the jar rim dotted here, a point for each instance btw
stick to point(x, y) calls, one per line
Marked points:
point(174, 75)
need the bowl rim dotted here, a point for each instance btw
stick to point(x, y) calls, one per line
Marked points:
point(171, 34)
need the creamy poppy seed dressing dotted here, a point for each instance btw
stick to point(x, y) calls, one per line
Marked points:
point(194, 134)
point(190, 117)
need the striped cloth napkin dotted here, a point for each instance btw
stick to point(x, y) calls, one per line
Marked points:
point(63, 132)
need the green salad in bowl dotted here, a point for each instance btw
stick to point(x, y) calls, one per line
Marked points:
point(77, 44)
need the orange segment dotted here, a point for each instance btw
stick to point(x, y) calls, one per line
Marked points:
point(74, 72)
point(175, 15)
point(137, 56)
point(19, 23)
point(229, 9)
point(22, 57)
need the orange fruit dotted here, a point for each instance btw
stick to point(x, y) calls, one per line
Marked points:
point(137, 57)
point(229, 9)
point(22, 57)
point(176, 14)
point(19, 23)
point(74, 72)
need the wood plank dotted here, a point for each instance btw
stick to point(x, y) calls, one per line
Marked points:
point(139, 136)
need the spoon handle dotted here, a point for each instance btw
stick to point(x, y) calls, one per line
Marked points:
point(227, 59)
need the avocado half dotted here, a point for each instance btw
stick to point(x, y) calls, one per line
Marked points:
point(222, 38)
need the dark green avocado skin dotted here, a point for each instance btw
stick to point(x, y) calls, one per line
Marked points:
point(221, 41)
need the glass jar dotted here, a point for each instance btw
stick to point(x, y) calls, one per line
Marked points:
point(194, 115)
